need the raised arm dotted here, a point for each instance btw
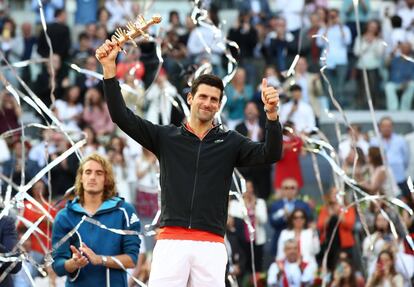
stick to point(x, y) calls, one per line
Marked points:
point(142, 131)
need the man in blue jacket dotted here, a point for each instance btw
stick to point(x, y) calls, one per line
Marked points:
point(93, 255)
point(196, 166)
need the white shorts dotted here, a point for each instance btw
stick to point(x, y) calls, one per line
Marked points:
point(187, 263)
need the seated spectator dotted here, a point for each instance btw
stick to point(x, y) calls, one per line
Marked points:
point(293, 270)
point(343, 238)
point(306, 237)
point(280, 210)
point(385, 273)
point(238, 93)
point(401, 79)
point(96, 114)
point(359, 171)
point(257, 213)
point(345, 275)
point(298, 111)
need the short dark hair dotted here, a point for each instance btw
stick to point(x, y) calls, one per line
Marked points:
point(83, 36)
point(396, 21)
point(59, 12)
point(210, 80)
point(295, 88)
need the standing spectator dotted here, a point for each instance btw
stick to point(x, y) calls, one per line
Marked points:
point(96, 113)
point(131, 64)
point(49, 7)
point(11, 48)
point(86, 11)
point(293, 12)
point(407, 15)
point(120, 12)
point(59, 34)
point(87, 260)
point(147, 169)
point(10, 112)
point(311, 50)
point(370, 51)
point(92, 144)
point(385, 273)
point(280, 210)
point(85, 82)
point(279, 42)
point(159, 98)
point(292, 271)
point(396, 152)
point(103, 16)
point(251, 128)
point(401, 79)
point(245, 35)
point(257, 213)
point(259, 10)
point(237, 257)
point(354, 137)
point(298, 111)
point(83, 51)
point(305, 236)
point(349, 16)
point(340, 38)
point(29, 42)
point(381, 179)
point(238, 93)
point(69, 110)
point(13, 167)
point(289, 164)
point(39, 243)
point(8, 241)
point(311, 86)
point(360, 171)
point(343, 241)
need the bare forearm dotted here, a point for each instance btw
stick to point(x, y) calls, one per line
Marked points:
point(109, 70)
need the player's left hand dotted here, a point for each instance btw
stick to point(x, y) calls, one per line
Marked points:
point(270, 97)
point(93, 258)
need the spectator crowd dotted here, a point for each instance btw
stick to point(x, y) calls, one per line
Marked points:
point(298, 240)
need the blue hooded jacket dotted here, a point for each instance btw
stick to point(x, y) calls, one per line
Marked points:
point(113, 213)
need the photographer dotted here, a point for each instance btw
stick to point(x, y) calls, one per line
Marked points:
point(385, 273)
point(346, 276)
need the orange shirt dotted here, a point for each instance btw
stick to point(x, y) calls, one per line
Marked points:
point(182, 233)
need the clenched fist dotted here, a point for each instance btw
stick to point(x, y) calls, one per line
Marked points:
point(270, 99)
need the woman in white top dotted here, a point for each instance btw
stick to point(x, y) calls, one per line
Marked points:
point(370, 51)
point(69, 110)
point(307, 238)
point(257, 212)
point(380, 239)
point(381, 180)
point(385, 274)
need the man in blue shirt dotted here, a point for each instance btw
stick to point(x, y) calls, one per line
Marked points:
point(93, 255)
point(396, 152)
point(280, 210)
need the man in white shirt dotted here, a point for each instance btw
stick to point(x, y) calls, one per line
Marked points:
point(298, 111)
point(291, 271)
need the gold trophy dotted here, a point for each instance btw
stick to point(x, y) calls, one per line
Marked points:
point(133, 30)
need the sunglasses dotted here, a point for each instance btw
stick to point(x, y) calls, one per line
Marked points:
point(289, 187)
point(298, 217)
